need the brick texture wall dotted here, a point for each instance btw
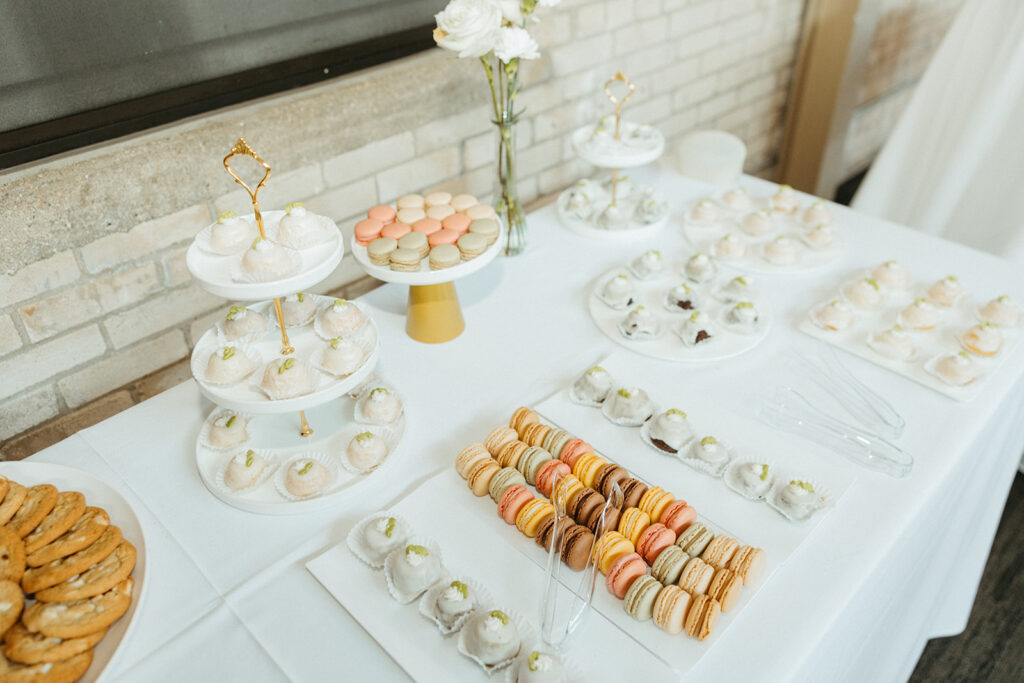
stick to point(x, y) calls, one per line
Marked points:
point(97, 309)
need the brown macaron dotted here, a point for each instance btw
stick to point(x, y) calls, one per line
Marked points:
point(608, 474)
point(583, 504)
point(632, 491)
point(577, 546)
point(549, 529)
point(611, 521)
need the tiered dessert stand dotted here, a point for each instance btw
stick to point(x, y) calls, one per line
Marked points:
point(279, 429)
point(617, 207)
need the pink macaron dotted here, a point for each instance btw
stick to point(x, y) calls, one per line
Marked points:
point(367, 230)
point(548, 474)
point(428, 226)
point(383, 213)
point(678, 516)
point(653, 540)
point(442, 236)
point(512, 501)
point(572, 451)
point(623, 572)
point(395, 230)
point(459, 222)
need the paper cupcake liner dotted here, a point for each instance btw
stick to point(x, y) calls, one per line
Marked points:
point(326, 230)
point(669, 304)
point(203, 241)
point(325, 334)
point(854, 305)
point(613, 304)
point(731, 298)
point(428, 603)
point(979, 358)
point(390, 437)
point(238, 275)
point(814, 246)
point(916, 330)
point(395, 555)
point(727, 258)
point(680, 331)
point(271, 315)
point(363, 343)
point(322, 458)
point(738, 328)
point(257, 379)
point(880, 350)
point(702, 223)
point(572, 668)
point(268, 472)
point(628, 421)
point(204, 431)
point(931, 367)
point(357, 544)
point(641, 273)
point(719, 199)
point(983, 319)
point(795, 263)
point(732, 479)
point(713, 469)
point(526, 635)
point(575, 397)
point(645, 436)
point(250, 338)
point(643, 335)
point(798, 516)
point(199, 365)
point(704, 280)
point(364, 396)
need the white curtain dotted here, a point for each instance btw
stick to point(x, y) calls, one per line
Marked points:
point(954, 164)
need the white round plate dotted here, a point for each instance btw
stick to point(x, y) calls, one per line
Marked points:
point(635, 231)
point(616, 156)
point(668, 345)
point(426, 276)
point(214, 273)
point(101, 494)
point(333, 425)
point(245, 396)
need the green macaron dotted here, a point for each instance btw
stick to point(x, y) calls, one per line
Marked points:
point(503, 479)
point(669, 565)
point(531, 461)
point(639, 599)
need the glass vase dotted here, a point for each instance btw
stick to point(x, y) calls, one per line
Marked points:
point(506, 192)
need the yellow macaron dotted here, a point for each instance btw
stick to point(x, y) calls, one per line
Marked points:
point(611, 546)
point(587, 467)
point(565, 488)
point(654, 501)
point(532, 514)
point(633, 523)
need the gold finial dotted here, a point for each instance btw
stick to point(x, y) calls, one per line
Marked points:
point(242, 148)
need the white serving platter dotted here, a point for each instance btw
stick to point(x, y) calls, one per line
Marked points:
point(668, 345)
point(100, 494)
point(929, 344)
point(245, 396)
point(426, 276)
point(214, 273)
point(616, 155)
point(587, 228)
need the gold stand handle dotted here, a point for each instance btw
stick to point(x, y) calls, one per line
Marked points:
point(242, 148)
point(621, 78)
point(306, 429)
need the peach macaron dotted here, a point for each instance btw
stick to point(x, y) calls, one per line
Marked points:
point(678, 516)
point(442, 236)
point(427, 226)
point(459, 222)
point(395, 230)
point(512, 501)
point(623, 572)
point(383, 213)
point(367, 230)
point(653, 540)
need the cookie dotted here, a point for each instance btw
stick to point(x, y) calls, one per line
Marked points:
point(52, 573)
point(11, 602)
point(12, 555)
point(32, 648)
point(39, 500)
point(80, 617)
point(64, 671)
point(99, 578)
point(12, 501)
point(5, 484)
point(69, 507)
point(82, 533)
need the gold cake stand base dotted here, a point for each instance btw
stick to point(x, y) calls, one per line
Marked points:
point(433, 315)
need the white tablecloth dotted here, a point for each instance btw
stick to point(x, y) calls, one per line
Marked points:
point(897, 561)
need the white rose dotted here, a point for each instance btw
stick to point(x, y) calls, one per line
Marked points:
point(513, 42)
point(467, 27)
point(511, 10)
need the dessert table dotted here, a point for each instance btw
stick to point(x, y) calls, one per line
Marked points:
point(895, 563)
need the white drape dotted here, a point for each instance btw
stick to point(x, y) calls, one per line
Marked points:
point(954, 164)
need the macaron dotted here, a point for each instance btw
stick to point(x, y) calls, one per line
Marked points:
point(461, 202)
point(695, 539)
point(459, 222)
point(395, 230)
point(437, 198)
point(678, 516)
point(610, 547)
point(632, 523)
point(572, 450)
point(669, 565)
point(696, 576)
point(534, 434)
point(608, 475)
point(623, 572)
point(479, 476)
point(444, 256)
point(532, 514)
point(654, 501)
point(584, 503)
point(530, 461)
point(725, 587)
point(587, 467)
point(610, 521)
point(416, 241)
point(632, 491)
point(654, 540)
point(405, 260)
point(576, 546)
point(748, 562)
point(702, 617)
point(383, 213)
point(442, 236)
point(512, 501)
point(505, 478)
point(410, 201)
point(379, 250)
point(548, 474)
point(471, 246)
point(481, 211)
point(410, 215)
point(440, 212)
point(510, 453)
point(670, 609)
point(498, 438)
point(521, 418)
point(368, 230)
point(555, 436)
point(552, 528)
point(469, 456)
point(564, 489)
point(640, 598)
point(427, 226)
point(486, 228)
point(720, 551)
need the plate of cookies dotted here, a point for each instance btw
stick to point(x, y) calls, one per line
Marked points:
point(72, 566)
